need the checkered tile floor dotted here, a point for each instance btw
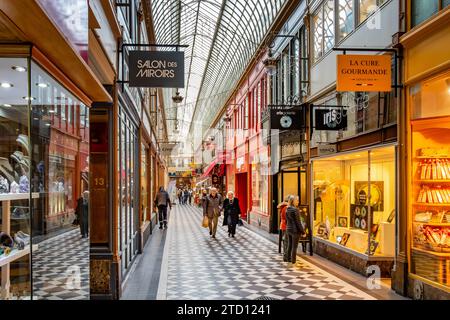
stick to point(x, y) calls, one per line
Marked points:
point(61, 268)
point(245, 267)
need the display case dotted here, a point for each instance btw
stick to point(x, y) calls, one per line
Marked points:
point(430, 251)
point(430, 180)
point(354, 201)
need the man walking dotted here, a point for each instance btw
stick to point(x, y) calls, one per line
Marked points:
point(213, 206)
point(190, 196)
point(162, 201)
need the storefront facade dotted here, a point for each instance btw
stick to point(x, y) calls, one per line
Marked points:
point(424, 252)
point(353, 178)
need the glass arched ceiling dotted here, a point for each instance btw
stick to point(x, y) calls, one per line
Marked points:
point(223, 36)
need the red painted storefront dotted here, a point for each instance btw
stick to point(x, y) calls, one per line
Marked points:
point(247, 173)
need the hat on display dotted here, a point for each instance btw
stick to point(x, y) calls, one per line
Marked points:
point(4, 185)
point(24, 184)
point(24, 141)
point(6, 240)
point(14, 188)
point(6, 169)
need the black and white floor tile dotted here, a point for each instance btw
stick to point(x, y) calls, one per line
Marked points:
point(61, 268)
point(246, 267)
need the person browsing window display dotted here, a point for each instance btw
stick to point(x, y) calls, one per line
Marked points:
point(294, 229)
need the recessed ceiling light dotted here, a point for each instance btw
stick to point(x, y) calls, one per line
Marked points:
point(6, 85)
point(51, 111)
point(48, 124)
point(36, 119)
point(19, 68)
point(7, 105)
point(42, 85)
point(28, 98)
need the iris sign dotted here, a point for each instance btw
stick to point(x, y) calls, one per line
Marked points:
point(156, 69)
point(330, 117)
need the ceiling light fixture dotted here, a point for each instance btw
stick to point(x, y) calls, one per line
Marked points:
point(29, 98)
point(6, 85)
point(177, 98)
point(42, 85)
point(19, 68)
point(7, 105)
point(51, 111)
point(270, 64)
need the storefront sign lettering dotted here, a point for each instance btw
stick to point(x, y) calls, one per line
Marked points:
point(363, 73)
point(324, 149)
point(286, 117)
point(330, 118)
point(156, 69)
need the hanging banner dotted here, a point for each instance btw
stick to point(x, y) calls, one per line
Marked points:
point(331, 118)
point(364, 73)
point(287, 117)
point(156, 69)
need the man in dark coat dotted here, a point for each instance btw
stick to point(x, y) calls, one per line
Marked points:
point(162, 201)
point(213, 206)
point(231, 214)
point(294, 228)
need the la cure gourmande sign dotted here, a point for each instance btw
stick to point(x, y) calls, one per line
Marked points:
point(156, 69)
point(363, 73)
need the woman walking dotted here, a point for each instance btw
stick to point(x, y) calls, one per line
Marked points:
point(294, 229)
point(284, 238)
point(231, 211)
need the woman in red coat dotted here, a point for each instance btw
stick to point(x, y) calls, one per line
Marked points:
point(283, 206)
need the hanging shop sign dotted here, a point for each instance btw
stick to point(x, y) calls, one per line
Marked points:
point(287, 117)
point(330, 118)
point(364, 73)
point(156, 69)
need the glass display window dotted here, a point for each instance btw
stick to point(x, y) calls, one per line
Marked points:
point(430, 181)
point(15, 167)
point(260, 181)
point(354, 201)
point(42, 165)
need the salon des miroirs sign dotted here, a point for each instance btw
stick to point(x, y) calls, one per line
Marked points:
point(156, 69)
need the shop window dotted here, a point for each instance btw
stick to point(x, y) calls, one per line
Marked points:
point(368, 7)
point(430, 185)
point(431, 98)
point(323, 29)
point(346, 18)
point(354, 201)
point(318, 34)
point(421, 10)
point(260, 181)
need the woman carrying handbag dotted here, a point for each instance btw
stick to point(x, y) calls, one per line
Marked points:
point(231, 211)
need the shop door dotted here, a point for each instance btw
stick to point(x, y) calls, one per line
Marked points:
point(241, 191)
point(275, 217)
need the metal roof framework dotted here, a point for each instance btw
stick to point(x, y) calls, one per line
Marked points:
point(223, 36)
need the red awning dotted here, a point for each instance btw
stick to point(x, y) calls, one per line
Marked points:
point(209, 169)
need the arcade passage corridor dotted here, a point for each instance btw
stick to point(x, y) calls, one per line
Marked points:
point(313, 134)
point(194, 266)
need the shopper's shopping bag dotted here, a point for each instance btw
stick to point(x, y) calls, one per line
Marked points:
point(205, 223)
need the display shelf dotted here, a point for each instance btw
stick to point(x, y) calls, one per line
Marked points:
point(433, 157)
point(436, 224)
point(14, 255)
point(432, 253)
point(426, 204)
point(18, 196)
